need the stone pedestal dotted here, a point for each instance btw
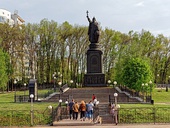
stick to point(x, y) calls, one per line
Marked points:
point(94, 76)
point(94, 79)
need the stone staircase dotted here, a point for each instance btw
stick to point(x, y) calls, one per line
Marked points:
point(102, 94)
point(78, 94)
point(104, 112)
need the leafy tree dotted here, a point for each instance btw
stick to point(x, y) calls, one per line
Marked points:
point(136, 71)
point(3, 71)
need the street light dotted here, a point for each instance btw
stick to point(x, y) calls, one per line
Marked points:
point(143, 91)
point(115, 83)
point(150, 83)
point(54, 78)
point(51, 108)
point(60, 101)
point(15, 83)
point(146, 84)
point(32, 96)
point(54, 84)
point(109, 82)
point(157, 78)
point(60, 83)
point(71, 82)
point(116, 95)
point(24, 90)
point(66, 102)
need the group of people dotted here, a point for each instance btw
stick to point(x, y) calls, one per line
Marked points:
point(85, 109)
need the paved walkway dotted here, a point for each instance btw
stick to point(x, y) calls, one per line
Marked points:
point(67, 123)
point(111, 126)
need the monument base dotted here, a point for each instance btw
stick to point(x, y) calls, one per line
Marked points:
point(94, 80)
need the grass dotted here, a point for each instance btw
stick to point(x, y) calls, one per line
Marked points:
point(161, 96)
point(7, 102)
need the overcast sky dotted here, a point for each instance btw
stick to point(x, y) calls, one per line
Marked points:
point(119, 15)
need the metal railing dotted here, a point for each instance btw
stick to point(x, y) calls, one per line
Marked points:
point(23, 118)
point(125, 116)
point(147, 98)
point(95, 113)
point(127, 99)
point(26, 98)
point(163, 85)
point(144, 115)
point(59, 113)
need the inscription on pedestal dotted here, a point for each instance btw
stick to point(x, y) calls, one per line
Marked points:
point(94, 79)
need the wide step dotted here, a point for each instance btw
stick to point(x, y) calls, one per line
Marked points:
point(68, 122)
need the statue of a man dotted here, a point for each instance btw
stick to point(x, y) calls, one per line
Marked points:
point(93, 31)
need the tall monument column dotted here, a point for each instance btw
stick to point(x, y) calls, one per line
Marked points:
point(94, 75)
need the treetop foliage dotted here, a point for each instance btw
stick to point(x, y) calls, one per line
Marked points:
point(52, 47)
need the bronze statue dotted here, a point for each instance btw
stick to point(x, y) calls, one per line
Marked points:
point(93, 31)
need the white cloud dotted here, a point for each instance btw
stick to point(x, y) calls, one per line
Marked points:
point(140, 4)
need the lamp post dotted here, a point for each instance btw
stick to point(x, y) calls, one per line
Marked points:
point(54, 78)
point(146, 84)
point(60, 101)
point(15, 83)
point(66, 102)
point(60, 83)
point(71, 82)
point(143, 91)
point(109, 82)
point(54, 84)
point(116, 95)
point(150, 83)
point(24, 90)
point(157, 78)
point(115, 83)
point(32, 96)
point(51, 108)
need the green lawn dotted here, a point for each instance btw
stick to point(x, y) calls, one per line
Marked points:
point(7, 102)
point(161, 96)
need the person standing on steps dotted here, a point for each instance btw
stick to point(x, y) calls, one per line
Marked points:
point(71, 112)
point(93, 97)
point(90, 106)
point(76, 110)
point(82, 109)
